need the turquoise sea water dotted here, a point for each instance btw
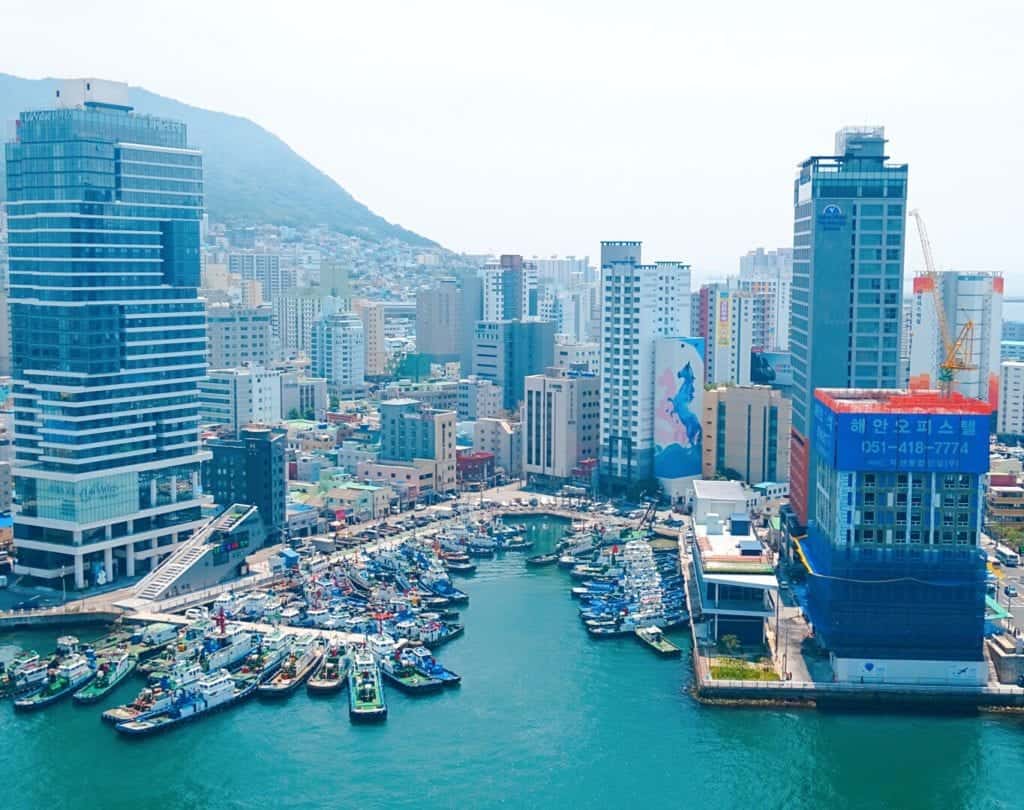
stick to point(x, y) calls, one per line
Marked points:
point(546, 718)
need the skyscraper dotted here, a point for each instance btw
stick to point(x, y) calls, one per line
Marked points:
point(639, 303)
point(849, 218)
point(108, 335)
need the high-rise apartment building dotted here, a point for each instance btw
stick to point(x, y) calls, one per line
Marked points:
point(264, 268)
point(768, 276)
point(639, 303)
point(438, 326)
point(1010, 419)
point(964, 297)
point(235, 397)
point(561, 423)
point(896, 590)
point(727, 329)
point(510, 289)
point(295, 312)
point(371, 313)
point(108, 335)
point(338, 352)
point(239, 336)
point(563, 270)
point(505, 352)
point(471, 310)
point(746, 433)
point(849, 218)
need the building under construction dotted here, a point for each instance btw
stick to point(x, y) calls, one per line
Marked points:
point(896, 579)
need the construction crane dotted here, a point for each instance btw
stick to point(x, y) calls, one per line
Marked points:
point(958, 351)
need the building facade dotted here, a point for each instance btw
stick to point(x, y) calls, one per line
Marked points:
point(505, 352)
point(251, 470)
point(478, 399)
point(896, 577)
point(265, 269)
point(438, 326)
point(1010, 418)
point(303, 396)
point(295, 312)
point(371, 313)
point(849, 227)
point(503, 438)
point(338, 352)
point(239, 336)
point(639, 303)
point(728, 332)
point(561, 423)
point(746, 433)
point(108, 335)
point(411, 432)
point(768, 276)
point(234, 397)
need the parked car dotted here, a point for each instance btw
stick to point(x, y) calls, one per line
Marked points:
point(1010, 590)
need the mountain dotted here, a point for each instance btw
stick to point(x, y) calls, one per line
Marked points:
point(251, 175)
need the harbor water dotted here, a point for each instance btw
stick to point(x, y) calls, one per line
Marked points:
point(545, 717)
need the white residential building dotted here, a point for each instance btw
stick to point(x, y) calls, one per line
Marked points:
point(237, 397)
point(768, 275)
point(728, 334)
point(295, 312)
point(238, 336)
point(639, 303)
point(585, 356)
point(338, 352)
point(975, 297)
point(1010, 421)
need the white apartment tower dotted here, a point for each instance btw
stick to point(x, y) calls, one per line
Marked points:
point(728, 334)
point(768, 275)
point(639, 303)
point(964, 296)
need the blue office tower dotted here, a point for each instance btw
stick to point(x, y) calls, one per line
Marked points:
point(108, 337)
point(848, 234)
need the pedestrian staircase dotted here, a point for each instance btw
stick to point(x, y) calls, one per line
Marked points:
point(156, 583)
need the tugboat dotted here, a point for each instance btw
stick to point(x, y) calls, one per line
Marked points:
point(216, 691)
point(365, 690)
point(25, 674)
point(109, 673)
point(655, 639)
point(304, 658)
point(72, 673)
point(400, 669)
point(158, 697)
point(427, 665)
point(436, 580)
point(331, 675)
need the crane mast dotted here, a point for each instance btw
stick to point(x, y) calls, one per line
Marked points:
point(958, 351)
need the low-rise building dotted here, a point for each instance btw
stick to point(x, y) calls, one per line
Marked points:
point(746, 433)
point(504, 439)
point(359, 501)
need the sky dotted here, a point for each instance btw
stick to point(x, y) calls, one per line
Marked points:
point(542, 128)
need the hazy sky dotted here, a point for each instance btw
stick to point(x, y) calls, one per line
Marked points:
point(544, 127)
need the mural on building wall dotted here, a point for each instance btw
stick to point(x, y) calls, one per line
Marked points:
point(678, 395)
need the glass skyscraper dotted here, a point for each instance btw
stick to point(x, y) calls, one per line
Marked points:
point(850, 213)
point(108, 337)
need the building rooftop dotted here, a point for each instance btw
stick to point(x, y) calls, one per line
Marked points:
point(866, 400)
point(720, 490)
point(722, 552)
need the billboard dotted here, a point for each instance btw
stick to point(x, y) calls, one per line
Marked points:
point(724, 328)
point(902, 442)
point(678, 399)
point(771, 368)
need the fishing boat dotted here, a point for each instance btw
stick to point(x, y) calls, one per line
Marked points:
point(24, 674)
point(270, 654)
point(331, 675)
point(400, 670)
point(300, 663)
point(542, 559)
point(436, 580)
point(159, 696)
point(518, 543)
point(109, 673)
point(72, 673)
point(365, 690)
point(654, 638)
point(213, 692)
point(431, 667)
point(229, 646)
point(460, 566)
point(435, 633)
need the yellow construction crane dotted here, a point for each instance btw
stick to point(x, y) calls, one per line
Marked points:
point(958, 351)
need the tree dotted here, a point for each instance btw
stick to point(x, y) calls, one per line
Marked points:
point(730, 644)
point(335, 402)
point(309, 414)
point(293, 413)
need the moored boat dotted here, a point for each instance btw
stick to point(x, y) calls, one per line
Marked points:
point(365, 689)
point(72, 673)
point(542, 559)
point(24, 674)
point(269, 655)
point(400, 669)
point(213, 692)
point(331, 675)
point(110, 671)
point(304, 657)
point(426, 664)
point(654, 638)
point(159, 696)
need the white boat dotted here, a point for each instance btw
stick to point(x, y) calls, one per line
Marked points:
point(381, 645)
point(215, 691)
point(225, 649)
